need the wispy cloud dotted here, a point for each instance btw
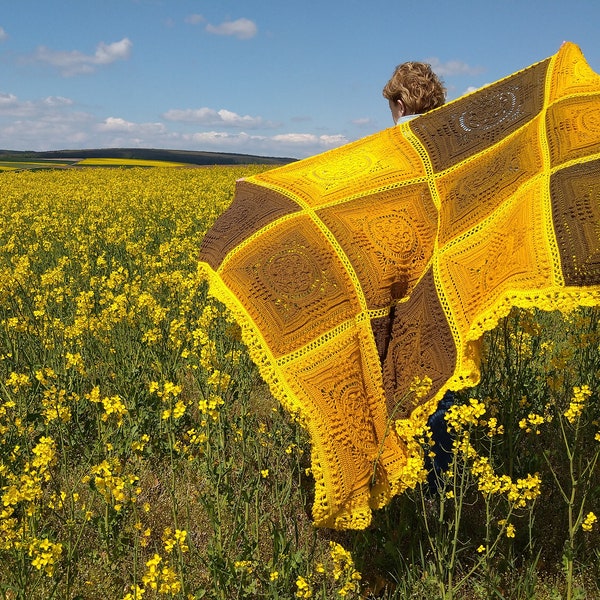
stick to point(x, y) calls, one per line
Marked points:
point(194, 19)
point(363, 122)
point(3, 34)
point(56, 102)
point(11, 106)
point(310, 139)
point(74, 62)
point(116, 124)
point(8, 101)
point(243, 29)
point(211, 117)
point(286, 144)
point(453, 67)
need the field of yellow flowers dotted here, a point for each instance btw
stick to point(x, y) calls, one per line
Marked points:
point(142, 457)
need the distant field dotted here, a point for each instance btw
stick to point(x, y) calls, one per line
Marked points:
point(128, 162)
point(20, 164)
point(12, 165)
point(127, 157)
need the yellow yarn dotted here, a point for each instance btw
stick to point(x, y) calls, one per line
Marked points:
point(356, 271)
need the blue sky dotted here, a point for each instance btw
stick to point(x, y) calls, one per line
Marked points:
point(253, 76)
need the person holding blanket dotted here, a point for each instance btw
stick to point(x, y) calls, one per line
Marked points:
point(412, 90)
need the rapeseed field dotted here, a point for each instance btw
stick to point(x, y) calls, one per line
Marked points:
point(142, 457)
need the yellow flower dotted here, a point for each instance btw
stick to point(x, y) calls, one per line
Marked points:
point(114, 406)
point(177, 539)
point(179, 409)
point(17, 381)
point(589, 521)
point(169, 582)
point(45, 555)
point(302, 588)
point(461, 416)
point(244, 565)
point(136, 593)
point(54, 403)
point(343, 569)
point(531, 422)
point(274, 575)
point(181, 537)
point(264, 473)
point(580, 395)
point(75, 361)
point(171, 389)
point(420, 387)
point(211, 406)
point(494, 428)
point(139, 445)
point(151, 576)
point(45, 452)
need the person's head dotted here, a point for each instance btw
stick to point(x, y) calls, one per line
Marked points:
point(413, 89)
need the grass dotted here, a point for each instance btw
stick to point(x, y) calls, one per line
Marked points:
point(141, 455)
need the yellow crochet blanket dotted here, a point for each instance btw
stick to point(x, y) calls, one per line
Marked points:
point(355, 271)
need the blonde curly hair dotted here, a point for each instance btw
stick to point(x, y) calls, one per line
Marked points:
point(416, 86)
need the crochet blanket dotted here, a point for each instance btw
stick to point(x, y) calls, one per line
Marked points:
point(353, 272)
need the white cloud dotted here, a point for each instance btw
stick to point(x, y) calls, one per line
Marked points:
point(55, 122)
point(194, 19)
point(11, 106)
point(333, 141)
point(296, 138)
point(286, 144)
point(303, 139)
point(243, 29)
point(116, 124)
point(8, 101)
point(3, 34)
point(363, 122)
point(77, 63)
point(46, 131)
point(211, 117)
point(57, 101)
point(452, 67)
point(220, 138)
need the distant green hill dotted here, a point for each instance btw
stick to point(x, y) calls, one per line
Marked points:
point(182, 156)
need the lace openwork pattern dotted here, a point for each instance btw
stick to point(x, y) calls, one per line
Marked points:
point(354, 271)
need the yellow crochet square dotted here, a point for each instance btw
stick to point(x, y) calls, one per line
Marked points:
point(384, 161)
point(295, 288)
point(507, 256)
point(476, 188)
point(387, 237)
